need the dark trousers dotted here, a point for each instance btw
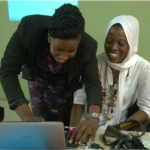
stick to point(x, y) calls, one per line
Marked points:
point(63, 112)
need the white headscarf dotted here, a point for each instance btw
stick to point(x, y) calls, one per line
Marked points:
point(130, 26)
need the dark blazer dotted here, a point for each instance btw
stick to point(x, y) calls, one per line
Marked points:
point(24, 49)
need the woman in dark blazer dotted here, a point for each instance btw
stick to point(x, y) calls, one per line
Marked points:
point(55, 55)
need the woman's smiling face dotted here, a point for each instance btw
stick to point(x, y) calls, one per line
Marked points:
point(116, 44)
point(63, 49)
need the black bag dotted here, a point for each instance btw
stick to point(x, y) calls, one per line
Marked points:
point(1, 113)
point(124, 141)
point(134, 108)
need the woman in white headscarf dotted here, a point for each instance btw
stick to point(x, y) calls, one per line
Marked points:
point(124, 76)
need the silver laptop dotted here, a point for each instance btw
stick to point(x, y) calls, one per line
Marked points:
point(32, 135)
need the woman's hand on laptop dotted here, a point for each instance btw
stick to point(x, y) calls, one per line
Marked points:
point(25, 114)
point(33, 119)
point(85, 129)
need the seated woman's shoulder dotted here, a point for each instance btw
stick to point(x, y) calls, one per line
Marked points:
point(142, 62)
point(142, 66)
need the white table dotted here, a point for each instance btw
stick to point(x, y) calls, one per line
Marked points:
point(99, 138)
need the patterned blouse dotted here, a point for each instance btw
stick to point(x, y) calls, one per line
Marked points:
point(50, 88)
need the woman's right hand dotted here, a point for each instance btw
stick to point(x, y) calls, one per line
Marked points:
point(32, 119)
point(26, 115)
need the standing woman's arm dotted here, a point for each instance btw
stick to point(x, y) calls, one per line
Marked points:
point(93, 90)
point(11, 65)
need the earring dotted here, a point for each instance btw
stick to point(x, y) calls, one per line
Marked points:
point(48, 40)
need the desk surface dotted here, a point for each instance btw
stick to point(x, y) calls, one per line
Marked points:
point(99, 138)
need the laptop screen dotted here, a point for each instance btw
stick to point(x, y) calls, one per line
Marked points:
point(32, 135)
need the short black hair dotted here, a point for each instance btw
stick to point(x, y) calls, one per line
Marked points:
point(67, 22)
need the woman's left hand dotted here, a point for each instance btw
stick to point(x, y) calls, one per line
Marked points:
point(85, 129)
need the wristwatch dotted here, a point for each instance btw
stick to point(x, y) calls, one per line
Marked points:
point(94, 115)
